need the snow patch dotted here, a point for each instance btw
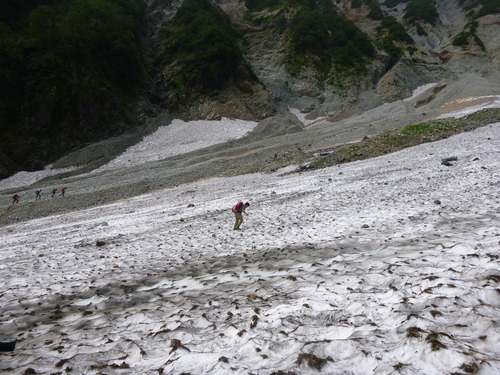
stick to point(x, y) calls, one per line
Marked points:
point(301, 116)
point(21, 179)
point(486, 102)
point(420, 90)
point(181, 137)
point(177, 138)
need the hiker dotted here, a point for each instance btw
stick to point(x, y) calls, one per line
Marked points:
point(239, 210)
point(62, 191)
point(54, 191)
point(15, 199)
point(38, 193)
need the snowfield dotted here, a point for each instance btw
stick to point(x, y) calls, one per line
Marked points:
point(177, 137)
point(180, 137)
point(383, 266)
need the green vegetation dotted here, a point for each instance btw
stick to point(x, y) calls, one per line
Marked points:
point(463, 39)
point(276, 20)
point(421, 10)
point(417, 10)
point(408, 136)
point(356, 4)
point(15, 12)
point(394, 52)
point(487, 7)
point(392, 31)
point(202, 43)
point(393, 3)
point(310, 38)
point(423, 129)
point(255, 5)
point(320, 37)
point(375, 11)
point(395, 30)
point(420, 30)
point(412, 50)
point(61, 83)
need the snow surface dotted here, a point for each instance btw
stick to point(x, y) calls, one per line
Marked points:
point(420, 90)
point(180, 137)
point(301, 116)
point(24, 178)
point(382, 266)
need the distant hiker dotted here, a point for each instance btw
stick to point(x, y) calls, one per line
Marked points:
point(62, 191)
point(239, 210)
point(38, 193)
point(15, 199)
point(54, 191)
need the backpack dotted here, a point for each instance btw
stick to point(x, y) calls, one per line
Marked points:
point(237, 206)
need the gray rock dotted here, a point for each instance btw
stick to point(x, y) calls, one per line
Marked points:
point(449, 161)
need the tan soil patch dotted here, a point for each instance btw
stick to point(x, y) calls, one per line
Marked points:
point(465, 102)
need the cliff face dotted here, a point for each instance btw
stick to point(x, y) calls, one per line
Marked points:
point(339, 92)
point(70, 73)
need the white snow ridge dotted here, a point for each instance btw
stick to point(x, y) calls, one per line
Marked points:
point(383, 266)
point(181, 137)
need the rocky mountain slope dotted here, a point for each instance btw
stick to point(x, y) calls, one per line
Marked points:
point(254, 60)
point(430, 57)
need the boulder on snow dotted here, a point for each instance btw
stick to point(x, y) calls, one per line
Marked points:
point(449, 161)
point(8, 344)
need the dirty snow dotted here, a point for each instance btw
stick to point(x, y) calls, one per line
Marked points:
point(301, 116)
point(381, 266)
point(420, 90)
point(180, 137)
point(24, 178)
point(176, 138)
point(466, 106)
